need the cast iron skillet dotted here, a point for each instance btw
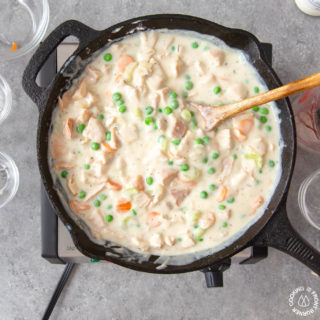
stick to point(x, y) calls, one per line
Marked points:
point(277, 231)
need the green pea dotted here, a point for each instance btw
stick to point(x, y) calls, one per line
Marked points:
point(205, 160)
point(271, 163)
point(174, 104)
point(81, 194)
point(102, 196)
point(221, 206)
point(263, 119)
point(122, 109)
point(256, 89)
point(211, 170)
point(81, 127)
point(179, 239)
point(206, 139)
point(160, 110)
point(109, 217)
point(268, 128)
point(149, 181)
point(235, 157)
point(215, 155)
point(95, 146)
point(187, 77)
point(224, 224)
point(101, 116)
point(173, 48)
point(194, 123)
point(176, 142)
point(230, 200)
point(116, 96)
point(200, 239)
point(155, 126)
point(192, 113)
point(167, 110)
point(148, 120)
point(217, 90)
point(184, 95)
point(120, 102)
point(173, 95)
point(188, 85)
point(255, 109)
point(198, 141)
point(195, 45)
point(109, 207)
point(107, 57)
point(108, 136)
point(87, 166)
point(64, 174)
point(134, 212)
point(206, 48)
point(148, 110)
point(184, 167)
point(196, 226)
point(203, 194)
point(220, 104)
point(170, 163)
point(260, 171)
point(97, 203)
point(264, 111)
point(212, 187)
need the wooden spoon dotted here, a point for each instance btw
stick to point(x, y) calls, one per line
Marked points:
point(213, 116)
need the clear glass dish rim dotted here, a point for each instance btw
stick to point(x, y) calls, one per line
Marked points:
point(16, 178)
point(41, 30)
point(302, 199)
point(8, 99)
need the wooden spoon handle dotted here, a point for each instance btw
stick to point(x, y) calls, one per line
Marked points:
point(272, 95)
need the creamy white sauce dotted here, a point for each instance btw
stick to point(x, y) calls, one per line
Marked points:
point(163, 62)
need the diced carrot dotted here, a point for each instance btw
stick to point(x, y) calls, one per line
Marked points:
point(107, 148)
point(124, 206)
point(257, 203)
point(113, 186)
point(76, 206)
point(189, 183)
point(222, 193)
point(123, 62)
point(14, 46)
point(67, 130)
point(118, 77)
point(223, 78)
point(246, 125)
point(153, 219)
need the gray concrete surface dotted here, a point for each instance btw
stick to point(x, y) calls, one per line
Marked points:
point(106, 291)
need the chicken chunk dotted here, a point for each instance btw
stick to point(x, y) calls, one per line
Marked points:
point(58, 146)
point(93, 74)
point(179, 129)
point(140, 244)
point(95, 130)
point(156, 241)
point(65, 101)
point(128, 133)
point(72, 185)
point(169, 240)
point(223, 138)
point(207, 220)
point(237, 91)
point(179, 194)
point(143, 200)
point(187, 241)
point(138, 183)
point(167, 175)
point(96, 220)
point(215, 57)
point(260, 146)
point(68, 128)
point(81, 91)
point(163, 124)
point(85, 115)
point(95, 190)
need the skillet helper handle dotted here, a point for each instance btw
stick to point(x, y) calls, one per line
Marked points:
point(280, 235)
point(68, 28)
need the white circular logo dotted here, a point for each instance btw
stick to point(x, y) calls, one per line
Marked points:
point(303, 301)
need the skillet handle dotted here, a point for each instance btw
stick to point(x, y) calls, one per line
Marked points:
point(68, 28)
point(279, 234)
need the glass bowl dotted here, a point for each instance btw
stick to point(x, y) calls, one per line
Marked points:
point(23, 24)
point(5, 99)
point(309, 199)
point(9, 179)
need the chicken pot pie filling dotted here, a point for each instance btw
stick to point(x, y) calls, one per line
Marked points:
point(133, 156)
